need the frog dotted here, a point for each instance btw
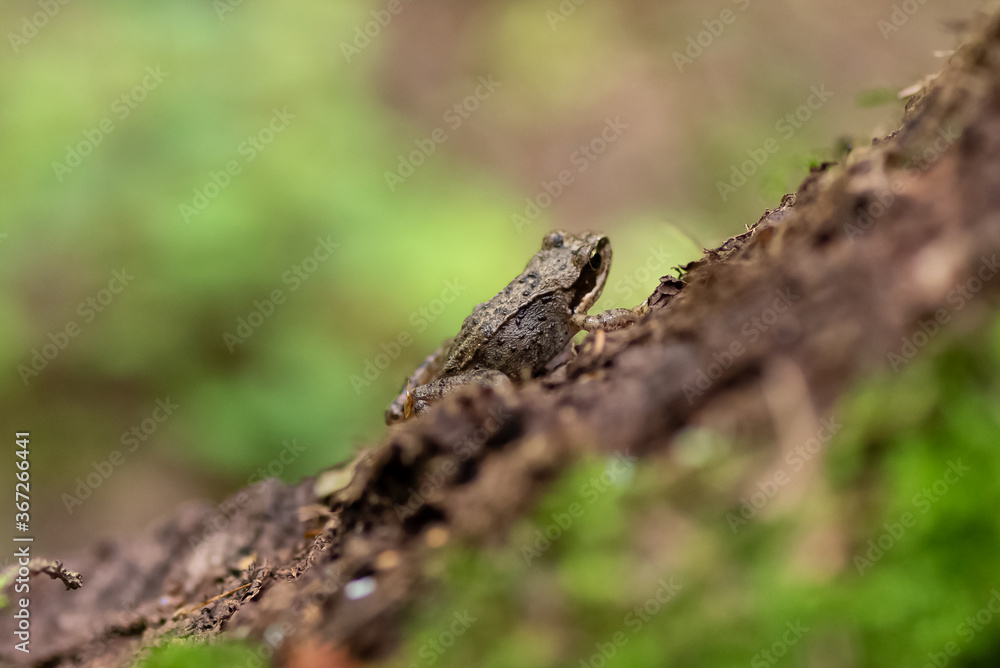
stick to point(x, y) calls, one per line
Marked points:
point(515, 335)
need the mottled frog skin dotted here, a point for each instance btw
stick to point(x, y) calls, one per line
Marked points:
point(514, 335)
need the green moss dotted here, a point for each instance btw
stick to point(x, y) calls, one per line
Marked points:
point(182, 654)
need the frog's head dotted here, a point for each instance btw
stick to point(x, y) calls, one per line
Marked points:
point(589, 256)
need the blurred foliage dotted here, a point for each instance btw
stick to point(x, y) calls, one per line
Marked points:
point(6, 577)
point(890, 559)
point(121, 125)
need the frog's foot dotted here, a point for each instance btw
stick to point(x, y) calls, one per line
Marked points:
point(610, 320)
point(402, 407)
point(421, 397)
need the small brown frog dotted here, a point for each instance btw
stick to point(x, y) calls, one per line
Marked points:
point(515, 334)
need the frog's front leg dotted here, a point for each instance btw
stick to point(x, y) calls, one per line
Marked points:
point(610, 320)
point(424, 395)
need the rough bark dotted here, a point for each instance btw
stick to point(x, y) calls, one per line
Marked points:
point(764, 332)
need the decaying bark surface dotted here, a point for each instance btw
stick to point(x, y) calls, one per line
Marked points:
point(760, 336)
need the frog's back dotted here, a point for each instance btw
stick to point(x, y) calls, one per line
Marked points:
point(480, 325)
point(527, 342)
point(511, 336)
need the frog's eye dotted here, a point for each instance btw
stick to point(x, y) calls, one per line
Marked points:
point(595, 259)
point(554, 240)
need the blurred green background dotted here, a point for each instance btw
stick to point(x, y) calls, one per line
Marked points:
point(211, 152)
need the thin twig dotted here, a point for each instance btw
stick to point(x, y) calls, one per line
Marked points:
point(214, 598)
